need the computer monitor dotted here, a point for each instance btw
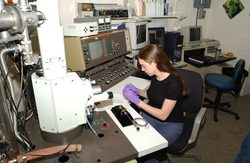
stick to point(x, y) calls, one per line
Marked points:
point(157, 36)
point(138, 34)
point(192, 35)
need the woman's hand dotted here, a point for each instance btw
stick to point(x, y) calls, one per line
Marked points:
point(131, 96)
point(132, 88)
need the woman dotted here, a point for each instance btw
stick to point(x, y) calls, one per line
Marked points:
point(165, 94)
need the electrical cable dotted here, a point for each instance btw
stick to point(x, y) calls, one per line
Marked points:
point(21, 67)
point(62, 153)
point(197, 16)
point(21, 96)
point(10, 99)
point(36, 139)
point(9, 91)
point(91, 127)
point(14, 76)
point(21, 77)
point(15, 107)
point(28, 93)
point(35, 29)
point(30, 88)
point(11, 104)
point(25, 106)
point(91, 116)
point(27, 114)
point(5, 79)
point(9, 71)
point(136, 124)
point(88, 120)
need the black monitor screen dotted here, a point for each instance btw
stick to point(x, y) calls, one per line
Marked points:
point(141, 33)
point(156, 36)
point(159, 34)
point(96, 49)
point(194, 34)
point(152, 39)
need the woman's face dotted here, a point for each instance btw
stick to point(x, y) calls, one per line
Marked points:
point(149, 68)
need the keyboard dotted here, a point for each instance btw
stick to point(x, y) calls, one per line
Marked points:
point(195, 60)
point(199, 59)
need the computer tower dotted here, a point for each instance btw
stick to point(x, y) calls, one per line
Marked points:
point(173, 46)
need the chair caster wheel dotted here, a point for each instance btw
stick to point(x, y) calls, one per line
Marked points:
point(229, 105)
point(198, 158)
point(237, 117)
point(215, 119)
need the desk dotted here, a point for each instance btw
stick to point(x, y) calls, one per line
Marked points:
point(211, 61)
point(117, 145)
point(143, 142)
point(202, 68)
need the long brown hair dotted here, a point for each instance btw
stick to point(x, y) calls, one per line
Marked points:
point(154, 53)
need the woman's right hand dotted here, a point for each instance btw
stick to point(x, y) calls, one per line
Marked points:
point(131, 96)
point(132, 88)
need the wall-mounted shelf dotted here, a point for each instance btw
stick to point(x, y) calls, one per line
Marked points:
point(147, 17)
point(161, 17)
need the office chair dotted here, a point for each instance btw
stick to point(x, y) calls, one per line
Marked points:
point(194, 115)
point(224, 82)
point(229, 72)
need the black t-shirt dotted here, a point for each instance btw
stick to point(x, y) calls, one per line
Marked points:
point(170, 88)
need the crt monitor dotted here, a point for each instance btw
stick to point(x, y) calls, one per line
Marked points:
point(88, 52)
point(138, 31)
point(157, 36)
point(96, 49)
point(192, 35)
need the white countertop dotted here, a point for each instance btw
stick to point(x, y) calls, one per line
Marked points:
point(145, 141)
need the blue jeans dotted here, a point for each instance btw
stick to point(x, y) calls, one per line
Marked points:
point(169, 130)
point(243, 156)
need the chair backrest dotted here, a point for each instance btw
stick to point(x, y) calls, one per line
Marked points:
point(192, 103)
point(238, 70)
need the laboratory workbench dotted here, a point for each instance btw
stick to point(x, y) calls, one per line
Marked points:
point(112, 143)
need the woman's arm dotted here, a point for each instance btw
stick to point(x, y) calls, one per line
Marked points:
point(143, 94)
point(162, 113)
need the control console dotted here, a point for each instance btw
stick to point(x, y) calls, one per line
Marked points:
point(108, 74)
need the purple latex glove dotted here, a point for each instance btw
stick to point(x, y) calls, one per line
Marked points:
point(132, 88)
point(131, 96)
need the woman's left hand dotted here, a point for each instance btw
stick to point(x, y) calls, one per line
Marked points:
point(131, 96)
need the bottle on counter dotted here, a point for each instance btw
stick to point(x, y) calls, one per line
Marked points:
point(217, 54)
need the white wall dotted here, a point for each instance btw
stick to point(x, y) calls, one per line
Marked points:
point(233, 34)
